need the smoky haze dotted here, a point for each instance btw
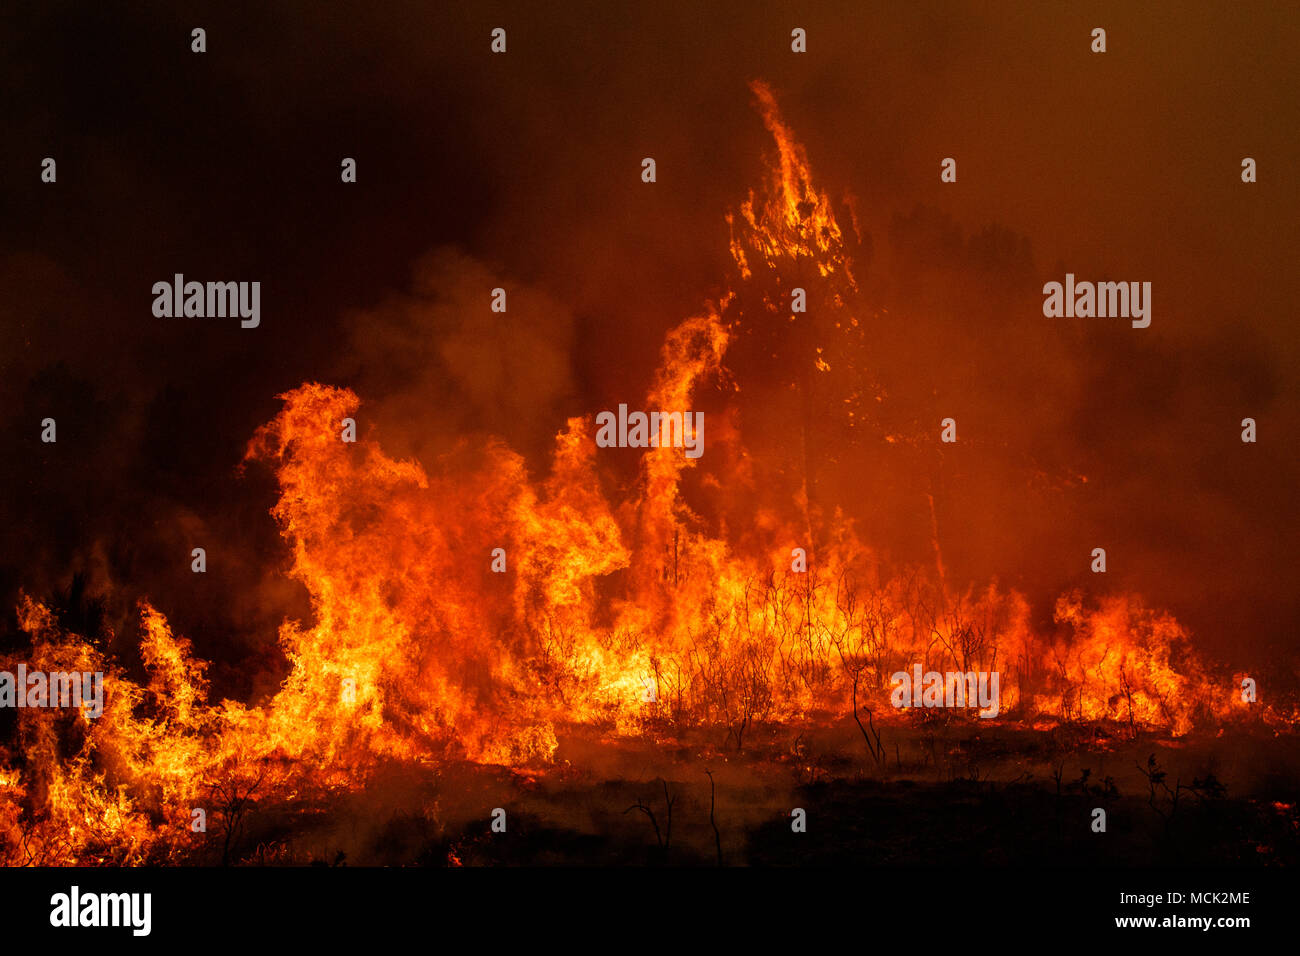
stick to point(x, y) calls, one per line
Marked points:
point(523, 171)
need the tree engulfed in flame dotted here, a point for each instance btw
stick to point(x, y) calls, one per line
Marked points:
point(625, 616)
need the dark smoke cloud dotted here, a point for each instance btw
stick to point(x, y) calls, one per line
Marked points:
point(437, 364)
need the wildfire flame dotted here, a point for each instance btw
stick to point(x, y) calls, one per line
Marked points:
point(418, 652)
